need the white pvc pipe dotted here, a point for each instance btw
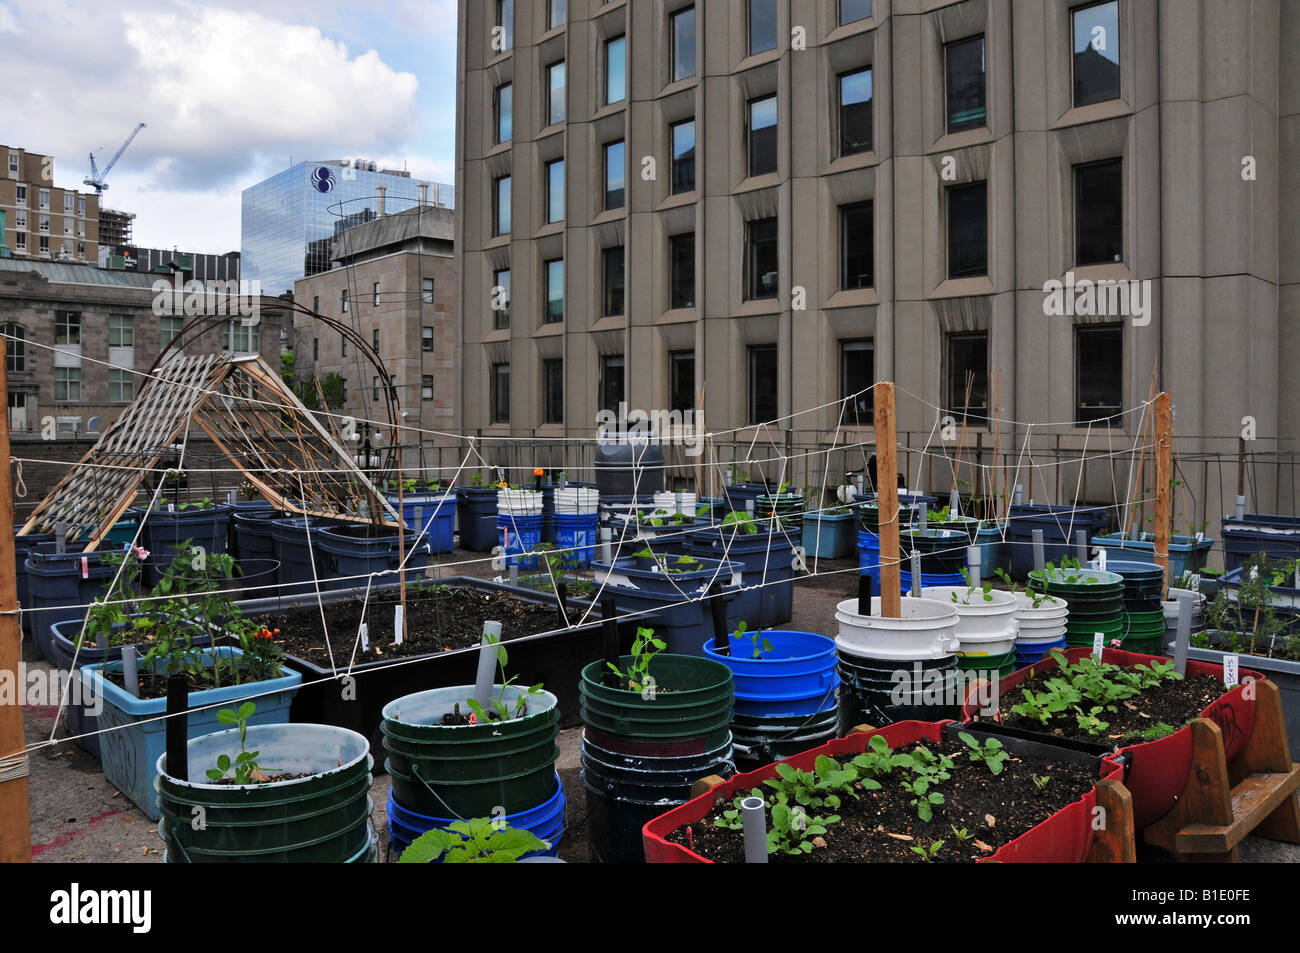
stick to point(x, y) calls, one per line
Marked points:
point(487, 665)
point(753, 814)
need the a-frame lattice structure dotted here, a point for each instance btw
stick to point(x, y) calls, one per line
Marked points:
point(251, 416)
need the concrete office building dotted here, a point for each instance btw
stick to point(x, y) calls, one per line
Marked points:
point(202, 266)
point(394, 282)
point(290, 220)
point(43, 222)
point(776, 202)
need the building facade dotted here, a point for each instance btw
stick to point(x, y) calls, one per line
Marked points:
point(394, 283)
point(760, 207)
point(202, 266)
point(290, 220)
point(44, 222)
point(79, 340)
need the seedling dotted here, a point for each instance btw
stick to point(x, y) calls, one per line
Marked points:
point(1040, 782)
point(644, 648)
point(1091, 721)
point(245, 767)
point(928, 853)
point(479, 840)
point(738, 522)
point(991, 752)
point(1161, 729)
point(497, 706)
point(960, 833)
point(761, 642)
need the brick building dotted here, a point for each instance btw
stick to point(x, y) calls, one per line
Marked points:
point(42, 221)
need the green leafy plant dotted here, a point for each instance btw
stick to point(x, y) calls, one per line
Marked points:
point(645, 647)
point(497, 706)
point(759, 641)
point(991, 752)
point(245, 767)
point(960, 833)
point(928, 853)
point(738, 522)
point(479, 840)
point(1040, 782)
point(792, 829)
point(1161, 729)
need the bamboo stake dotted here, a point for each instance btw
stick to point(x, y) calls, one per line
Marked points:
point(1164, 477)
point(887, 499)
point(15, 823)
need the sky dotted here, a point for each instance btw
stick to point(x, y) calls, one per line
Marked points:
point(230, 92)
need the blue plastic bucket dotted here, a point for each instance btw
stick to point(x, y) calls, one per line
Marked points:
point(518, 535)
point(930, 579)
point(869, 557)
point(795, 677)
point(546, 821)
point(432, 513)
point(1028, 654)
point(576, 533)
point(297, 546)
point(348, 554)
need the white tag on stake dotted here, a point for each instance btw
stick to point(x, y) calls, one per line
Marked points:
point(1231, 665)
point(397, 624)
point(1098, 643)
point(365, 637)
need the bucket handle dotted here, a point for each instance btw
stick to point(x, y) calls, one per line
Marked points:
point(415, 770)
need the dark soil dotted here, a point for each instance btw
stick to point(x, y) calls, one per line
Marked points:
point(270, 779)
point(882, 827)
point(1173, 702)
point(438, 619)
point(155, 686)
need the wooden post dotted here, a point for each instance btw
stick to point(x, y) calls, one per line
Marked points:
point(887, 500)
point(1164, 477)
point(15, 819)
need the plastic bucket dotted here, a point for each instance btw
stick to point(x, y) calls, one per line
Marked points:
point(943, 552)
point(468, 770)
point(865, 699)
point(796, 677)
point(993, 550)
point(575, 537)
point(321, 818)
point(60, 588)
point(351, 553)
point(828, 535)
point(22, 546)
point(1059, 525)
point(758, 741)
point(251, 536)
point(297, 546)
point(984, 626)
point(477, 517)
point(927, 629)
point(698, 703)
point(433, 514)
point(767, 562)
point(519, 534)
point(165, 531)
point(546, 821)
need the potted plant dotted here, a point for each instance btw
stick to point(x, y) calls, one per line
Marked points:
point(910, 792)
point(190, 602)
point(479, 840)
point(267, 793)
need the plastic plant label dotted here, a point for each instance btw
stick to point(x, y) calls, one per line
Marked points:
point(1231, 667)
point(365, 637)
point(1200, 537)
point(1196, 582)
point(1098, 643)
point(397, 624)
point(1101, 559)
point(85, 567)
point(171, 507)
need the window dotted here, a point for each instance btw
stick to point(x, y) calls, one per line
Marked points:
point(426, 387)
point(1099, 372)
point(67, 203)
point(67, 226)
point(857, 374)
point(967, 367)
point(683, 33)
point(67, 383)
point(242, 338)
point(374, 340)
point(611, 382)
point(762, 384)
point(315, 304)
point(762, 26)
point(681, 255)
point(81, 206)
point(374, 388)
point(67, 328)
point(855, 112)
point(426, 290)
point(13, 163)
point(121, 330)
point(554, 274)
point(557, 13)
point(760, 259)
point(553, 391)
point(612, 262)
point(45, 245)
point(851, 11)
point(616, 70)
point(1096, 53)
point(503, 106)
point(45, 198)
point(343, 345)
point(1099, 212)
point(501, 206)
point(501, 298)
point(968, 230)
point(20, 194)
point(45, 223)
point(20, 218)
point(315, 348)
point(15, 348)
point(169, 328)
point(375, 301)
point(555, 191)
point(964, 63)
point(343, 300)
point(501, 393)
point(615, 163)
point(426, 339)
point(762, 135)
point(504, 35)
point(343, 385)
point(857, 249)
point(683, 134)
point(555, 84)
point(121, 386)
point(20, 241)
point(681, 380)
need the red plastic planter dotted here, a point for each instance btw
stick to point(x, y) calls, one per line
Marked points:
point(1158, 770)
point(1065, 837)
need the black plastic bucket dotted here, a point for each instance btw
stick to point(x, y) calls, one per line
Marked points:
point(869, 692)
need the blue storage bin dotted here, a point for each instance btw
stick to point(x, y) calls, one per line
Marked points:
point(517, 535)
point(1279, 536)
point(434, 514)
point(1058, 523)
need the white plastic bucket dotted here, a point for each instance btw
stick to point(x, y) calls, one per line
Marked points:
point(519, 502)
point(983, 627)
point(667, 502)
point(927, 629)
point(1041, 625)
point(576, 500)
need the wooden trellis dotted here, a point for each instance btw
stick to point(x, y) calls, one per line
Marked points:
point(249, 414)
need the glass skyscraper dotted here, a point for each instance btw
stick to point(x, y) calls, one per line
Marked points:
point(290, 220)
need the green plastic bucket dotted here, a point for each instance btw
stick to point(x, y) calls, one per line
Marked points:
point(470, 770)
point(323, 817)
point(693, 698)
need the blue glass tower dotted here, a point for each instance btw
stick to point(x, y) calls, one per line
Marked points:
point(289, 220)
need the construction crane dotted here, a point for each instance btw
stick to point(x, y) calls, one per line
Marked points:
point(96, 179)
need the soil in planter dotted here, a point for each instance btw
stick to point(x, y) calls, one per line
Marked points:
point(1285, 648)
point(1173, 703)
point(882, 827)
point(155, 686)
point(269, 779)
point(438, 619)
